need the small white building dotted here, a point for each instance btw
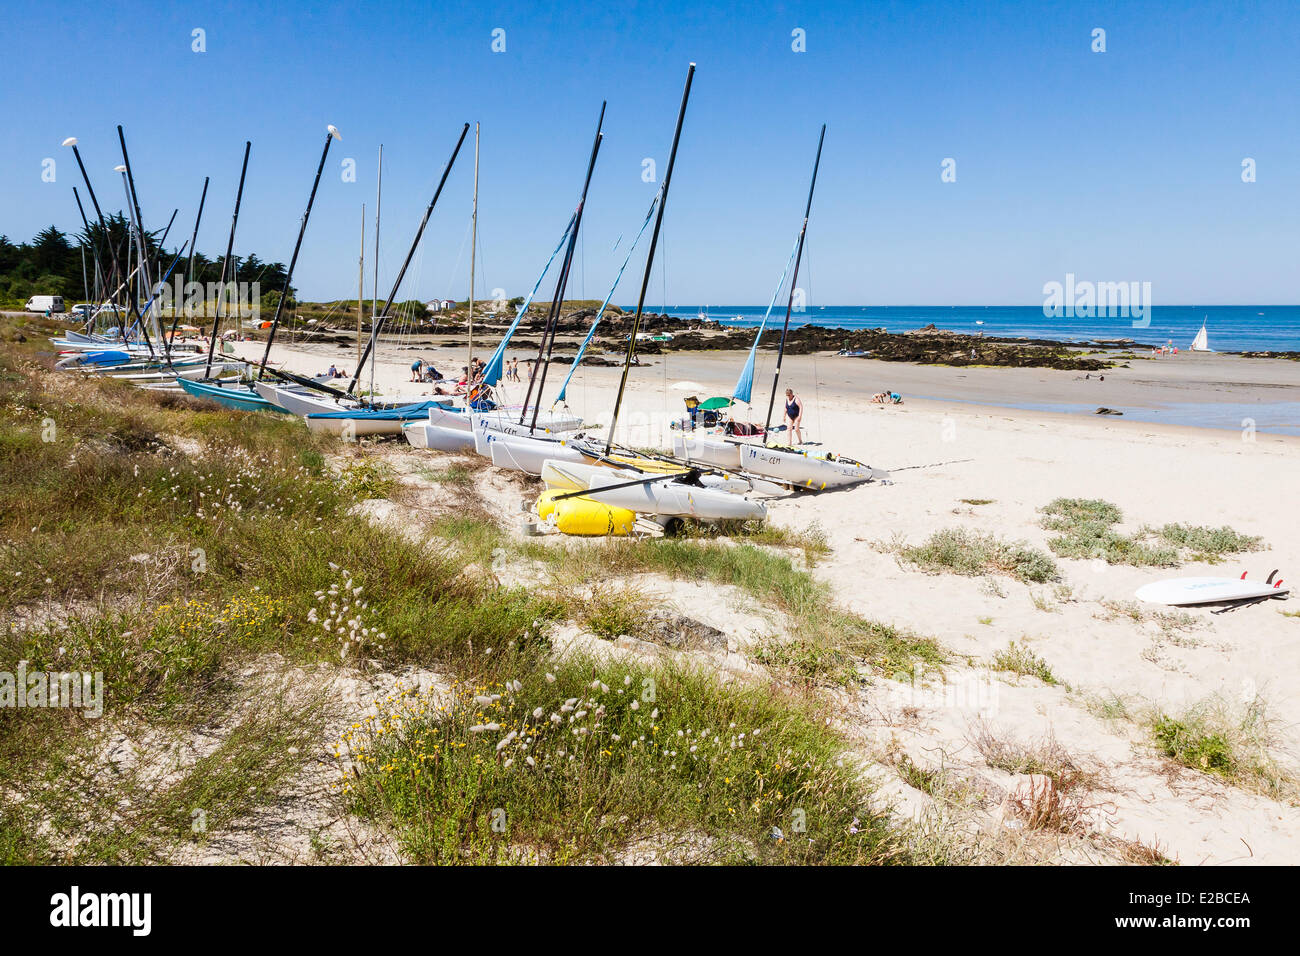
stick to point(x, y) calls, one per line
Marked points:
point(440, 305)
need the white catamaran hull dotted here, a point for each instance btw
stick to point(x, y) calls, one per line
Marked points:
point(360, 427)
point(672, 499)
point(525, 454)
point(707, 451)
point(502, 420)
point(805, 471)
point(298, 400)
point(437, 438)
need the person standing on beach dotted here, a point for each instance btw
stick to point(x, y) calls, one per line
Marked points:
point(794, 415)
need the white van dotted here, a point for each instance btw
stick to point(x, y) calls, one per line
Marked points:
point(45, 303)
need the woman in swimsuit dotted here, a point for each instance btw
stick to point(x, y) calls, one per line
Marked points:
point(794, 415)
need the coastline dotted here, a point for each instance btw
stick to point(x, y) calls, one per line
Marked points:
point(1215, 391)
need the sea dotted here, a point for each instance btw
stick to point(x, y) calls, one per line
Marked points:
point(1230, 328)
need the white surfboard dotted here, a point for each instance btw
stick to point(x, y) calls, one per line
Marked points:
point(1185, 591)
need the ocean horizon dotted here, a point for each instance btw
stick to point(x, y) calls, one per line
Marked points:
point(1230, 328)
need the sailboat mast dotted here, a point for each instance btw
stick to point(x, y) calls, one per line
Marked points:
point(331, 134)
point(553, 317)
point(473, 248)
point(141, 258)
point(361, 278)
point(377, 323)
point(133, 202)
point(189, 264)
point(90, 236)
point(649, 259)
point(794, 279)
point(225, 263)
point(374, 292)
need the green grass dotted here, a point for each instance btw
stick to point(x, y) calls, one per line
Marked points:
point(829, 641)
point(975, 553)
point(1207, 752)
point(1225, 740)
point(1207, 544)
point(1088, 532)
point(612, 613)
point(365, 477)
point(812, 542)
point(507, 771)
point(1021, 660)
point(929, 782)
point(457, 475)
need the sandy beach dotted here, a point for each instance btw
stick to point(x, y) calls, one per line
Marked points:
point(957, 463)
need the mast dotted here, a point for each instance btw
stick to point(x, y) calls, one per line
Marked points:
point(650, 258)
point(133, 203)
point(374, 292)
point(141, 258)
point(794, 279)
point(331, 134)
point(157, 262)
point(377, 323)
point(85, 283)
point(89, 235)
point(562, 281)
point(225, 263)
point(473, 248)
point(361, 278)
point(189, 263)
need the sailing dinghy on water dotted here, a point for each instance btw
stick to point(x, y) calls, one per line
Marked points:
point(1202, 341)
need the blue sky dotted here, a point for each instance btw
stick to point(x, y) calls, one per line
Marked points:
point(1123, 165)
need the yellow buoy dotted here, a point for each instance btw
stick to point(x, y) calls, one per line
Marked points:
point(584, 516)
point(546, 502)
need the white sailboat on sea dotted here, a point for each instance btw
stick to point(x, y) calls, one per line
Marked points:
point(1202, 341)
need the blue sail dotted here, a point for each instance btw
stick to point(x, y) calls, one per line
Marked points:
point(745, 384)
point(591, 332)
point(492, 371)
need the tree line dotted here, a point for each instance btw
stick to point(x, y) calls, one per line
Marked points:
point(51, 264)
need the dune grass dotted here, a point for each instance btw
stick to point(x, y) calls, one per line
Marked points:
point(583, 762)
point(829, 641)
point(975, 553)
point(1020, 660)
point(1225, 740)
point(1088, 532)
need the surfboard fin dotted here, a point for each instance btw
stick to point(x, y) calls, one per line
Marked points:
point(1269, 579)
